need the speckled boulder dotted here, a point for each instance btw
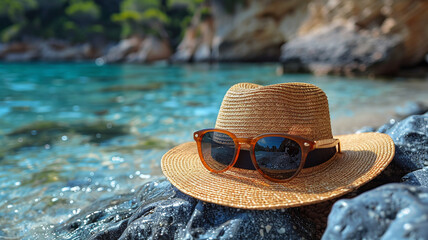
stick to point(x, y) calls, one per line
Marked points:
point(159, 211)
point(417, 178)
point(411, 142)
point(183, 217)
point(111, 213)
point(393, 211)
point(410, 136)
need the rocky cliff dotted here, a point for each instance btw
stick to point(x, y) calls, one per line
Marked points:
point(320, 36)
point(250, 31)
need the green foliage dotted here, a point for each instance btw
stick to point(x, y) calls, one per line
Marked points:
point(10, 32)
point(83, 10)
point(70, 26)
point(205, 13)
point(155, 14)
point(75, 20)
point(141, 16)
point(96, 28)
point(139, 5)
point(128, 15)
point(192, 4)
point(83, 15)
point(185, 22)
point(15, 9)
point(81, 20)
point(128, 20)
point(230, 5)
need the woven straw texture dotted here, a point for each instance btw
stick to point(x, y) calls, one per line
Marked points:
point(249, 110)
point(363, 157)
point(300, 109)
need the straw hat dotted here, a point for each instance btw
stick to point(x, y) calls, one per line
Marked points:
point(249, 110)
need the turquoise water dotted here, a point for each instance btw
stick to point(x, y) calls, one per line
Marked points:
point(71, 134)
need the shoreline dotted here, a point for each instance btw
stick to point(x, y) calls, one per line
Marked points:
point(371, 118)
point(349, 125)
point(152, 50)
point(412, 73)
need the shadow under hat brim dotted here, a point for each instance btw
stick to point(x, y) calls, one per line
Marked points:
point(363, 157)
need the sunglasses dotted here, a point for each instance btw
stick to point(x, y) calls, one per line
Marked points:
point(277, 157)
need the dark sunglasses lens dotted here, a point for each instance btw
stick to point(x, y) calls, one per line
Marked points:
point(278, 157)
point(218, 150)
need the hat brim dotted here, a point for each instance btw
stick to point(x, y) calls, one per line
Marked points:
point(363, 157)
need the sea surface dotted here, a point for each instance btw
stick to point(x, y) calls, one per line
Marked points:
point(72, 134)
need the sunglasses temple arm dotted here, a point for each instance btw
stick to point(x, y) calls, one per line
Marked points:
point(327, 143)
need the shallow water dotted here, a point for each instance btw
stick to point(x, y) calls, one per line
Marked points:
point(71, 134)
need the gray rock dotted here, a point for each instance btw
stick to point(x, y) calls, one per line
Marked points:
point(138, 50)
point(338, 50)
point(53, 51)
point(3, 47)
point(417, 178)
point(410, 108)
point(119, 52)
point(22, 56)
point(159, 211)
point(47, 50)
point(393, 211)
point(411, 142)
point(151, 49)
point(183, 217)
point(411, 149)
point(386, 126)
point(102, 214)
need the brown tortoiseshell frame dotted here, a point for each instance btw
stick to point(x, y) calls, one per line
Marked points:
point(249, 144)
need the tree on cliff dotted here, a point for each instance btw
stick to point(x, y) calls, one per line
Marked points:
point(142, 17)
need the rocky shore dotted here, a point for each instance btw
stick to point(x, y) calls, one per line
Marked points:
point(392, 206)
point(322, 37)
point(131, 50)
point(49, 50)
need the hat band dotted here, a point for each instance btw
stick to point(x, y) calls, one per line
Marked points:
point(314, 158)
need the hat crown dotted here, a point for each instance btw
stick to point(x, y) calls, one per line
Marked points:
point(249, 110)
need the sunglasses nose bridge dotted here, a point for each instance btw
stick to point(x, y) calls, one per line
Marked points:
point(244, 143)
